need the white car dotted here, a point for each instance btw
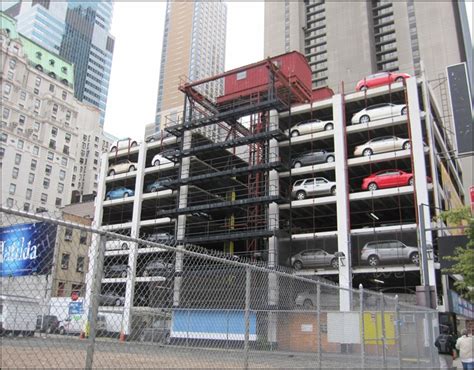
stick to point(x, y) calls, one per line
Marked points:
point(159, 160)
point(313, 125)
point(113, 245)
point(379, 111)
point(123, 144)
point(122, 166)
point(382, 144)
point(311, 187)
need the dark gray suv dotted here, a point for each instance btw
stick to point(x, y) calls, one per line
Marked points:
point(314, 157)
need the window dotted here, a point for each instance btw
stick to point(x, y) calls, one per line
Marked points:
point(68, 116)
point(10, 75)
point(51, 87)
point(66, 149)
point(29, 193)
point(64, 161)
point(26, 207)
point(12, 63)
point(48, 169)
point(52, 144)
point(44, 198)
point(64, 95)
point(34, 162)
point(36, 91)
point(6, 113)
point(2, 152)
point(36, 126)
point(68, 234)
point(17, 158)
point(83, 237)
point(3, 137)
point(61, 289)
point(21, 119)
point(241, 75)
point(37, 105)
point(62, 174)
point(9, 202)
point(23, 95)
point(65, 261)
point(51, 62)
point(80, 264)
point(15, 172)
point(67, 137)
point(36, 150)
point(38, 81)
point(12, 189)
point(20, 144)
point(60, 188)
point(31, 178)
point(7, 88)
point(50, 156)
point(54, 131)
point(46, 183)
point(58, 202)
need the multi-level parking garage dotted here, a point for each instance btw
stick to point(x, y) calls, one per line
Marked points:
point(254, 174)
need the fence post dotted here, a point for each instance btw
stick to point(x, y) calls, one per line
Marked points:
point(362, 327)
point(382, 314)
point(94, 300)
point(398, 333)
point(247, 317)
point(318, 313)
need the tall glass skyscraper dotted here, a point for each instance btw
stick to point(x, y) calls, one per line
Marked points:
point(79, 31)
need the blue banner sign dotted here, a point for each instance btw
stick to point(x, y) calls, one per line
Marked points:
point(76, 308)
point(27, 249)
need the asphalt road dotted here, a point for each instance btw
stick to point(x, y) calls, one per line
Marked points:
point(70, 352)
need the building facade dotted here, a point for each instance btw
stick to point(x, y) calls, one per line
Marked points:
point(43, 160)
point(80, 33)
point(193, 46)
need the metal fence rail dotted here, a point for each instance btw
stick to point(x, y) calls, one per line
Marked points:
point(76, 296)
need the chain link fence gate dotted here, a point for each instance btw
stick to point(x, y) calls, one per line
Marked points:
point(77, 297)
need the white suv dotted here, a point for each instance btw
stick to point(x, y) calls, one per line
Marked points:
point(121, 167)
point(312, 187)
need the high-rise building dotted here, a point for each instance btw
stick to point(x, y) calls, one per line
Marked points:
point(193, 46)
point(50, 142)
point(79, 32)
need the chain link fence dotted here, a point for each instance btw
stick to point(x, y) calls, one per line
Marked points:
point(78, 297)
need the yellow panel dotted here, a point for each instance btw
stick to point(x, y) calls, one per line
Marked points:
point(373, 327)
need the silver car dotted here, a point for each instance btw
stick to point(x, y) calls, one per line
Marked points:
point(382, 144)
point(376, 252)
point(310, 126)
point(311, 187)
point(314, 258)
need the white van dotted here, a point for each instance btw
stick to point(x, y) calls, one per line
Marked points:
point(18, 315)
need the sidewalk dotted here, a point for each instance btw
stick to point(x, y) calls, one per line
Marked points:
point(457, 364)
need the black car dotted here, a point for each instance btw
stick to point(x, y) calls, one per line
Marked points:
point(158, 268)
point(114, 271)
point(159, 331)
point(314, 157)
point(47, 324)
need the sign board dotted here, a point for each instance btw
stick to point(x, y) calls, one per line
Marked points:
point(76, 308)
point(461, 306)
point(27, 249)
point(373, 328)
point(343, 327)
point(306, 328)
point(446, 247)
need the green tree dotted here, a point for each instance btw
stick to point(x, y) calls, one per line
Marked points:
point(463, 256)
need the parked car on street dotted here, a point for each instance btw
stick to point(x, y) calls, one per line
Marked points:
point(123, 144)
point(310, 126)
point(122, 166)
point(158, 184)
point(47, 324)
point(382, 144)
point(387, 179)
point(121, 192)
point(116, 270)
point(314, 258)
point(159, 331)
point(314, 157)
point(158, 268)
point(376, 252)
point(313, 186)
point(157, 136)
point(111, 299)
point(159, 160)
point(379, 79)
point(379, 111)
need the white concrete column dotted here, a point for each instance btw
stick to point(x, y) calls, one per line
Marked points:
point(342, 190)
point(134, 233)
point(419, 168)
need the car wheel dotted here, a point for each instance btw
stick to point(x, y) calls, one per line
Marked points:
point(108, 197)
point(126, 195)
point(62, 331)
point(111, 172)
point(364, 119)
point(131, 168)
point(300, 195)
point(295, 133)
point(298, 265)
point(49, 330)
point(330, 159)
point(153, 189)
point(335, 263)
point(156, 163)
point(145, 273)
point(118, 302)
point(123, 274)
point(373, 261)
point(329, 127)
point(113, 149)
point(367, 152)
point(333, 190)
point(411, 182)
point(363, 88)
point(297, 165)
point(134, 143)
point(372, 186)
point(404, 111)
point(399, 79)
point(406, 145)
point(167, 339)
point(124, 245)
point(308, 303)
point(415, 258)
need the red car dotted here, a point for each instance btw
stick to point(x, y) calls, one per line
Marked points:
point(379, 79)
point(388, 179)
